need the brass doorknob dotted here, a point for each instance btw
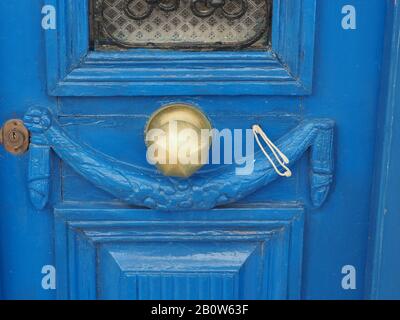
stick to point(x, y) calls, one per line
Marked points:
point(178, 139)
point(14, 136)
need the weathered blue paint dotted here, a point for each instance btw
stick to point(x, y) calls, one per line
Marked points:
point(144, 254)
point(149, 188)
point(72, 70)
point(338, 78)
point(39, 173)
point(383, 279)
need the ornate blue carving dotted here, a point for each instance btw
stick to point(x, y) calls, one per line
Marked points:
point(147, 187)
point(39, 175)
point(39, 162)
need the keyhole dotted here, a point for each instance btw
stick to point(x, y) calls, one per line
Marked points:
point(15, 138)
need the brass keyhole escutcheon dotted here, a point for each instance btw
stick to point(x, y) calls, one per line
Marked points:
point(181, 135)
point(14, 136)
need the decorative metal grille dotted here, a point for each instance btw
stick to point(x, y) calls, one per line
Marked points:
point(181, 24)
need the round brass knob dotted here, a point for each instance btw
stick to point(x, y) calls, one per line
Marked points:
point(178, 139)
point(14, 136)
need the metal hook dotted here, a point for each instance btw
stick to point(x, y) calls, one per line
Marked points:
point(278, 154)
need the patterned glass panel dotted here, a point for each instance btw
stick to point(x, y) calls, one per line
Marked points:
point(181, 24)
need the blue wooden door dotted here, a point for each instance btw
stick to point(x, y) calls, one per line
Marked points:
point(84, 215)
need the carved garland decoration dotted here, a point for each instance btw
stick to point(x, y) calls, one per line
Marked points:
point(147, 187)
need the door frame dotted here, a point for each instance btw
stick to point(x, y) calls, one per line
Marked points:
point(382, 277)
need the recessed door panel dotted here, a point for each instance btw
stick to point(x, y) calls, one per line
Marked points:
point(139, 254)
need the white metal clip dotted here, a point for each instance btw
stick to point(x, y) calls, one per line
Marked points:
point(278, 154)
